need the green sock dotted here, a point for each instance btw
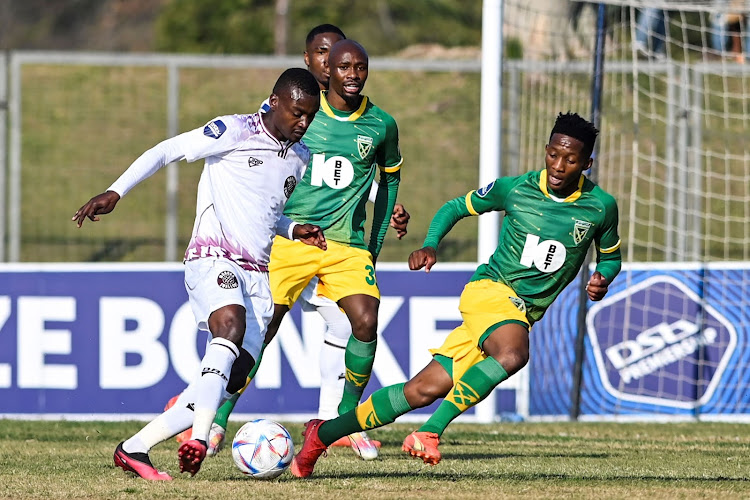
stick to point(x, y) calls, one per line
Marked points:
point(222, 414)
point(383, 407)
point(255, 367)
point(343, 425)
point(471, 388)
point(358, 359)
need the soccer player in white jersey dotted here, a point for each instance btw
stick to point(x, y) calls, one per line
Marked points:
point(338, 329)
point(253, 162)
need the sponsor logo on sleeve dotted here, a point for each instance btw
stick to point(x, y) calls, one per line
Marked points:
point(668, 347)
point(482, 192)
point(214, 129)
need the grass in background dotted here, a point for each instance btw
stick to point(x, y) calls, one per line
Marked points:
point(508, 460)
point(83, 126)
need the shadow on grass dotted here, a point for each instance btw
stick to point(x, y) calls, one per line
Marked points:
point(551, 454)
point(525, 476)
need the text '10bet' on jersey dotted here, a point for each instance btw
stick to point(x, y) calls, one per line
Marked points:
point(346, 151)
point(544, 239)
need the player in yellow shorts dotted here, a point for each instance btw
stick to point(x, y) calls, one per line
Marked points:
point(342, 271)
point(354, 141)
point(484, 306)
point(552, 218)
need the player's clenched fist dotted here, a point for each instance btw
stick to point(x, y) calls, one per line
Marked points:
point(424, 257)
point(399, 220)
point(597, 286)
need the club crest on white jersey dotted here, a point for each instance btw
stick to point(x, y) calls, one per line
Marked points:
point(289, 184)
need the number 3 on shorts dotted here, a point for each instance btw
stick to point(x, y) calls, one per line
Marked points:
point(370, 278)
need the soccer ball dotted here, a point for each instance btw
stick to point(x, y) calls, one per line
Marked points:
point(262, 449)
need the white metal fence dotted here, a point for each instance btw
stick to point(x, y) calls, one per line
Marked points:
point(534, 91)
point(18, 63)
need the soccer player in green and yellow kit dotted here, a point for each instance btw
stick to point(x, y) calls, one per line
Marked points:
point(551, 219)
point(352, 141)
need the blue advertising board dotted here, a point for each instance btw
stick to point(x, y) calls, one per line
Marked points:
point(666, 341)
point(88, 341)
point(117, 341)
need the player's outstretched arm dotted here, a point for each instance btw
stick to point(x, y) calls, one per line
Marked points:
point(424, 257)
point(98, 205)
point(597, 286)
point(399, 220)
point(310, 234)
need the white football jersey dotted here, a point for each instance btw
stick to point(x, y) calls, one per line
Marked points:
point(247, 179)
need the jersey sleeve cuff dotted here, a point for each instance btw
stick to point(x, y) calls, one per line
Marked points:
point(290, 233)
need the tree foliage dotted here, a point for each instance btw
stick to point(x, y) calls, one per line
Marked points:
point(225, 26)
point(383, 26)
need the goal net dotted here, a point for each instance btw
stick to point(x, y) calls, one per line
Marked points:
point(670, 338)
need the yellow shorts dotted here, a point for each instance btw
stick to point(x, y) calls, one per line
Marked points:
point(484, 305)
point(342, 271)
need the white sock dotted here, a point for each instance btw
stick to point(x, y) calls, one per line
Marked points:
point(210, 388)
point(332, 369)
point(331, 380)
point(170, 423)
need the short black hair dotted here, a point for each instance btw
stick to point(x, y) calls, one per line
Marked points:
point(297, 78)
point(573, 125)
point(323, 28)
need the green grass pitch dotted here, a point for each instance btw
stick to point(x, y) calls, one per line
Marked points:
point(51, 459)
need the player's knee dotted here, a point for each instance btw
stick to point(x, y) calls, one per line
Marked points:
point(279, 312)
point(229, 324)
point(420, 394)
point(509, 345)
point(240, 370)
point(365, 326)
point(512, 360)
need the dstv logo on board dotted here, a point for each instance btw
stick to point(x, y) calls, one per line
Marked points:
point(656, 343)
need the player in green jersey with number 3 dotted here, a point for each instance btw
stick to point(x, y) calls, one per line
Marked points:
point(338, 328)
point(552, 217)
point(354, 140)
